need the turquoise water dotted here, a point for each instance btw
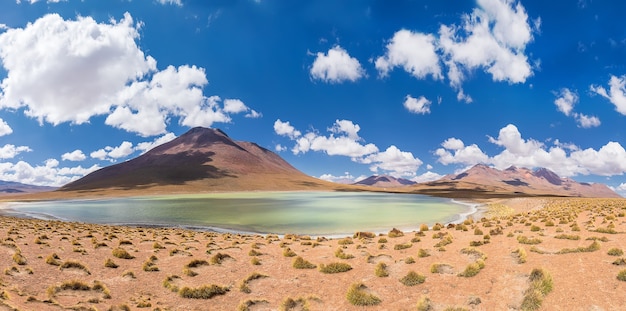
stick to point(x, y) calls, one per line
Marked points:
point(314, 213)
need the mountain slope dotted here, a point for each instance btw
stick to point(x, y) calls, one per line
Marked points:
point(202, 159)
point(384, 181)
point(518, 181)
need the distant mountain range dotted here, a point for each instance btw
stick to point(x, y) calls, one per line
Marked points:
point(10, 187)
point(201, 160)
point(517, 181)
point(207, 160)
point(385, 181)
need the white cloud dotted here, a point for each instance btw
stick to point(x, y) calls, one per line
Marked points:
point(414, 52)
point(148, 145)
point(586, 121)
point(419, 105)
point(85, 69)
point(345, 141)
point(346, 178)
point(616, 93)
point(455, 151)
point(396, 162)
point(426, 177)
point(493, 37)
point(564, 159)
point(174, 2)
point(113, 153)
point(10, 151)
point(336, 66)
point(285, 129)
point(5, 129)
point(48, 174)
point(280, 148)
point(76, 155)
point(565, 101)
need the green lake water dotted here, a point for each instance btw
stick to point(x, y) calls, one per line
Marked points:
point(314, 213)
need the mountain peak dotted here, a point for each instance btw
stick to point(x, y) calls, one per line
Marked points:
point(384, 181)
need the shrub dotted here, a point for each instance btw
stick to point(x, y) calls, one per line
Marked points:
point(402, 246)
point(167, 283)
point(345, 241)
point(412, 278)
point(437, 227)
point(74, 265)
point(364, 235)
point(156, 245)
point(121, 253)
point(255, 261)
point(534, 228)
point(244, 285)
point(340, 254)
point(591, 248)
point(219, 258)
point(19, 259)
point(395, 233)
point(301, 263)
point(382, 240)
point(381, 270)
point(622, 275)
point(472, 269)
point(423, 227)
point(288, 252)
point(149, 266)
point(358, 296)
point(421, 253)
point(409, 260)
point(540, 285)
point(439, 267)
point(521, 255)
point(335, 267)
point(110, 264)
point(424, 304)
point(615, 252)
point(526, 240)
point(477, 231)
point(254, 252)
point(53, 259)
point(202, 292)
point(567, 237)
point(605, 230)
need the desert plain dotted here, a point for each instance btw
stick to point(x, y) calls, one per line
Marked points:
point(521, 254)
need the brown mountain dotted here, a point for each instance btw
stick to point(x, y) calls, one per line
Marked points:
point(202, 159)
point(10, 187)
point(385, 181)
point(515, 181)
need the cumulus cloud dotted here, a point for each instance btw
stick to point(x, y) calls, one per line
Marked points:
point(48, 174)
point(396, 162)
point(10, 151)
point(85, 69)
point(565, 101)
point(148, 145)
point(5, 129)
point(493, 37)
point(76, 155)
point(174, 2)
point(413, 51)
point(113, 153)
point(344, 140)
point(346, 178)
point(586, 121)
point(419, 105)
point(564, 159)
point(336, 66)
point(285, 129)
point(426, 177)
point(616, 93)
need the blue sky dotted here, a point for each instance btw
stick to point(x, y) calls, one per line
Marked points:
point(415, 89)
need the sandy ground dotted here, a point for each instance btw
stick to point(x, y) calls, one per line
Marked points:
point(166, 264)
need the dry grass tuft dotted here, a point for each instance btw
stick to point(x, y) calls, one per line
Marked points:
point(412, 278)
point(121, 253)
point(202, 292)
point(335, 267)
point(358, 295)
point(540, 285)
point(301, 263)
point(381, 270)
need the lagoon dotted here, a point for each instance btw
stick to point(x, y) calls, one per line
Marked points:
point(312, 213)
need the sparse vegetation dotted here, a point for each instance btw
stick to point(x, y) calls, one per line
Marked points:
point(424, 304)
point(381, 270)
point(402, 246)
point(218, 258)
point(521, 255)
point(121, 253)
point(359, 296)
point(339, 253)
point(526, 240)
point(472, 269)
point(53, 259)
point(74, 265)
point(289, 253)
point(395, 233)
point(622, 275)
point(567, 237)
point(110, 264)
point(591, 248)
point(540, 285)
point(421, 253)
point(615, 252)
point(412, 278)
point(335, 267)
point(202, 292)
point(244, 286)
point(301, 263)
